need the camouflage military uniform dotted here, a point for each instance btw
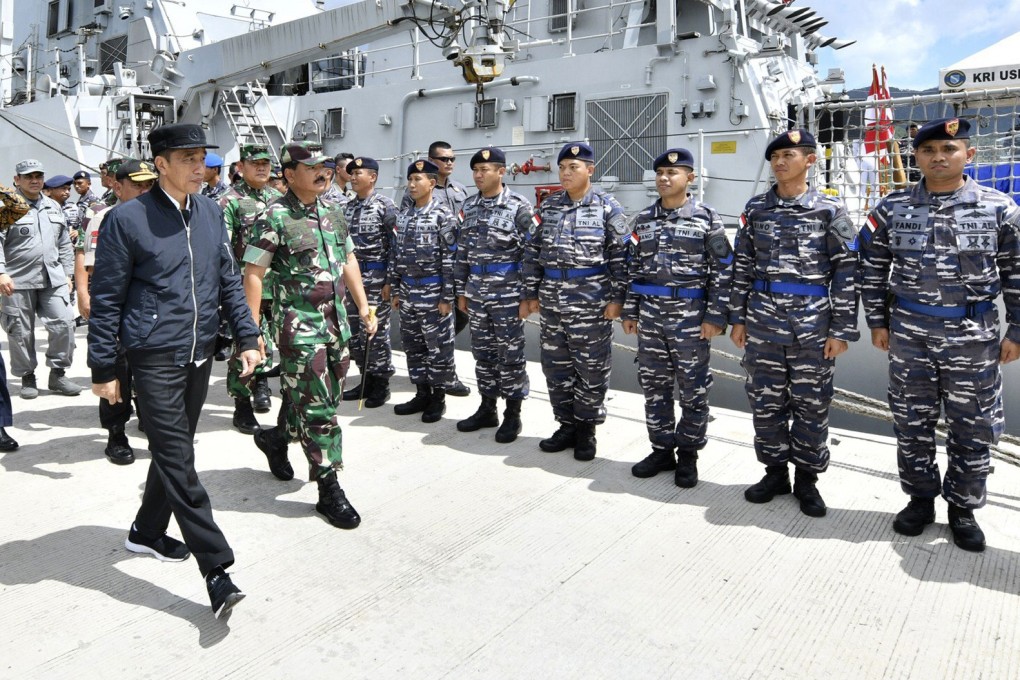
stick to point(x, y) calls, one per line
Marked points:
point(794, 286)
point(335, 194)
point(575, 264)
point(87, 201)
point(13, 207)
point(487, 272)
point(452, 195)
point(421, 274)
point(306, 247)
point(215, 191)
point(932, 266)
point(73, 217)
point(680, 271)
point(242, 205)
point(371, 222)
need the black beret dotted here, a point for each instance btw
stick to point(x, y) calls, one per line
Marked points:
point(362, 163)
point(425, 166)
point(81, 174)
point(674, 158)
point(490, 154)
point(943, 128)
point(789, 140)
point(576, 150)
point(179, 136)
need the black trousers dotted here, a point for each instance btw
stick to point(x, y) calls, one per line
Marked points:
point(112, 415)
point(171, 400)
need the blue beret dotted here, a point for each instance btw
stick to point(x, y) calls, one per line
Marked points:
point(329, 163)
point(57, 181)
point(362, 163)
point(790, 140)
point(576, 150)
point(674, 158)
point(943, 128)
point(422, 165)
point(213, 160)
point(81, 174)
point(490, 154)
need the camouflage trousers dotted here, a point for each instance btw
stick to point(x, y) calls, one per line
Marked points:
point(427, 337)
point(497, 345)
point(380, 358)
point(312, 379)
point(789, 388)
point(576, 360)
point(664, 361)
point(924, 375)
point(238, 387)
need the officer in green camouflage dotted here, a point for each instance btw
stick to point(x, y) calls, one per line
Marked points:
point(304, 241)
point(242, 204)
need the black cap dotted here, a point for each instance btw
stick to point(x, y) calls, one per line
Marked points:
point(943, 128)
point(137, 171)
point(362, 163)
point(428, 167)
point(81, 174)
point(179, 136)
point(674, 158)
point(576, 150)
point(791, 139)
point(490, 154)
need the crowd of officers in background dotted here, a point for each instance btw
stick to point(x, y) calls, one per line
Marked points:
point(326, 260)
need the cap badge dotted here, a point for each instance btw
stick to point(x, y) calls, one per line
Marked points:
point(144, 167)
point(358, 162)
point(952, 127)
point(420, 165)
point(485, 154)
point(574, 150)
point(794, 136)
point(673, 156)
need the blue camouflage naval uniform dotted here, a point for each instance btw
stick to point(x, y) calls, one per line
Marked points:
point(487, 272)
point(421, 275)
point(575, 264)
point(794, 286)
point(680, 269)
point(371, 223)
point(932, 265)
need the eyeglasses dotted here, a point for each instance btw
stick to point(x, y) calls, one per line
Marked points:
point(444, 159)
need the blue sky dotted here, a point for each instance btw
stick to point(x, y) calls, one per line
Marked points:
point(913, 38)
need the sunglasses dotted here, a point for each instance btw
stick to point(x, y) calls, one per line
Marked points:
point(444, 159)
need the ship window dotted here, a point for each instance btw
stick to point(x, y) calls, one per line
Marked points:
point(110, 52)
point(59, 14)
point(627, 133)
point(562, 109)
point(335, 123)
point(485, 115)
point(53, 19)
point(559, 10)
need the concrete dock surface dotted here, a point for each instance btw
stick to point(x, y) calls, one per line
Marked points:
point(484, 560)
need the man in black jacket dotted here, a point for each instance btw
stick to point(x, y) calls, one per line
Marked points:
point(164, 266)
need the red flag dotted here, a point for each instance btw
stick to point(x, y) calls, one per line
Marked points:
point(878, 118)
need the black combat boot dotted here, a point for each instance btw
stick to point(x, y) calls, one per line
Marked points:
point(437, 406)
point(260, 396)
point(661, 459)
point(776, 482)
point(966, 532)
point(458, 389)
point(333, 503)
point(378, 392)
point(7, 442)
point(584, 447)
point(417, 404)
point(911, 520)
point(805, 491)
point(354, 393)
point(244, 417)
point(511, 425)
point(118, 449)
point(563, 438)
point(273, 443)
point(686, 475)
point(485, 416)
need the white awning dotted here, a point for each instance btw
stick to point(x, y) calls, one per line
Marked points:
point(993, 67)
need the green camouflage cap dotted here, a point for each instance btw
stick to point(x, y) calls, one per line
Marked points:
point(307, 153)
point(113, 165)
point(255, 152)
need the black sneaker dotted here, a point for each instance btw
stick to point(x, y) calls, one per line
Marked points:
point(164, 548)
point(223, 594)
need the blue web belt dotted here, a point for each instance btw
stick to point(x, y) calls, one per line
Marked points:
point(423, 281)
point(369, 266)
point(565, 274)
point(668, 291)
point(805, 289)
point(951, 312)
point(498, 268)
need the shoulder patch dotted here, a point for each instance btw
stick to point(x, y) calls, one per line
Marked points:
point(844, 228)
point(719, 246)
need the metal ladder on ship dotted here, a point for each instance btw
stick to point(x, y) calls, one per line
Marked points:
point(239, 107)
